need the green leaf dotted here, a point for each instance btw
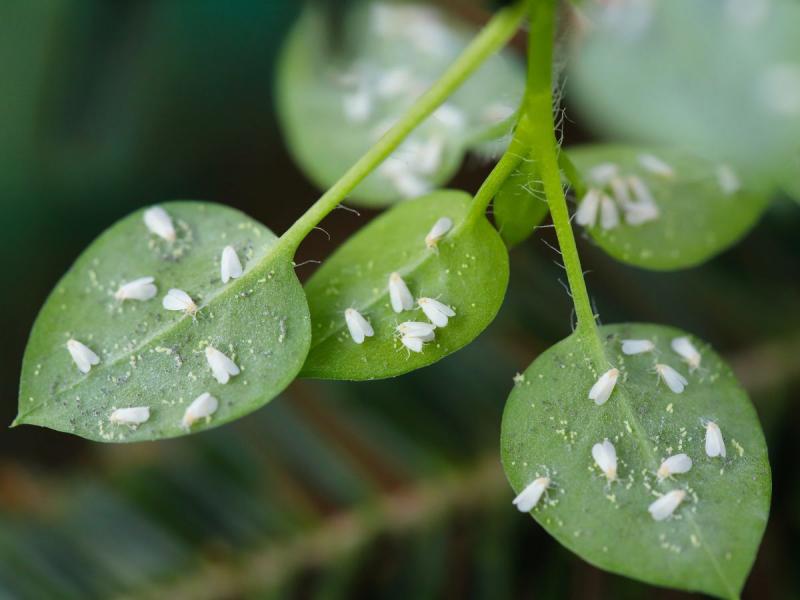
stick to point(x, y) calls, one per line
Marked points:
point(550, 426)
point(467, 270)
point(520, 205)
point(791, 184)
point(699, 216)
point(153, 357)
point(722, 78)
point(343, 82)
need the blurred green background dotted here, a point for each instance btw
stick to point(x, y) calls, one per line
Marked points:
point(389, 489)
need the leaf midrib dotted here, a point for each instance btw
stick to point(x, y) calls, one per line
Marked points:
point(601, 362)
point(273, 254)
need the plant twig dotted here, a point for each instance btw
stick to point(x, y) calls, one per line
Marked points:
point(491, 38)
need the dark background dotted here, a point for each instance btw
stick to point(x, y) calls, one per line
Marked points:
point(389, 489)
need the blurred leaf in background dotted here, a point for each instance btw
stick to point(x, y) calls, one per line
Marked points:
point(722, 78)
point(334, 490)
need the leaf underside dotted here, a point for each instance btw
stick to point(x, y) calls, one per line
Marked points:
point(520, 205)
point(697, 218)
point(154, 357)
point(323, 69)
point(550, 426)
point(467, 271)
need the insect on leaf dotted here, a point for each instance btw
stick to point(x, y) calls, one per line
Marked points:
point(467, 270)
point(148, 356)
point(671, 210)
point(343, 82)
point(550, 426)
point(520, 205)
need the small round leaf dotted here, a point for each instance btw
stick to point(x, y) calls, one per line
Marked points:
point(550, 426)
point(343, 82)
point(153, 357)
point(701, 206)
point(467, 270)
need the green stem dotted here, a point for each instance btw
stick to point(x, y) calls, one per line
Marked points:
point(512, 157)
point(538, 111)
point(492, 37)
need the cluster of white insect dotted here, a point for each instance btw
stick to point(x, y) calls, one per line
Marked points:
point(373, 95)
point(674, 380)
point(604, 453)
point(612, 192)
point(413, 334)
point(159, 223)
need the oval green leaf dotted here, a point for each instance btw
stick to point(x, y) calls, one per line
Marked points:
point(550, 426)
point(643, 72)
point(702, 208)
point(520, 205)
point(343, 82)
point(149, 356)
point(467, 270)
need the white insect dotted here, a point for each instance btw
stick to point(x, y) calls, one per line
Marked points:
point(417, 329)
point(201, 407)
point(229, 265)
point(645, 208)
point(637, 346)
point(683, 346)
point(428, 157)
point(674, 380)
point(602, 388)
point(497, 112)
point(586, 215)
point(409, 185)
point(394, 82)
point(179, 300)
point(221, 366)
point(620, 191)
point(405, 180)
point(414, 344)
point(357, 106)
point(160, 223)
point(605, 455)
point(358, 326)
point(640, 213)
point(84, 358)
point(715, 445)
point(450, 116)
point(530, 496)
point(437, 312)
point(133, 416)
point(664, 506)
point(138, 289)
point(438, 231)
point(609, 215)
point(641, 191)
point(728, 180)
point(656, 166)
point(399, 294)
point(603, 173)
point(678, 463)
